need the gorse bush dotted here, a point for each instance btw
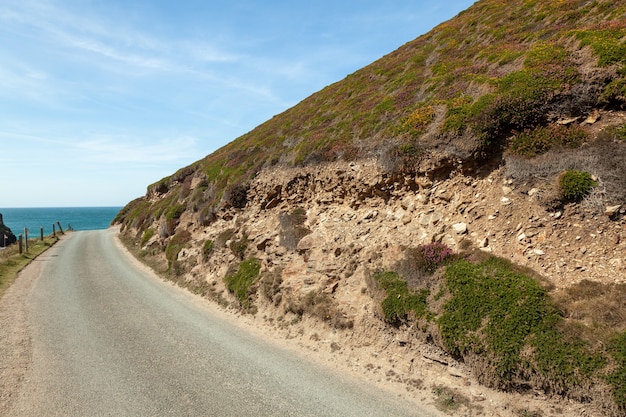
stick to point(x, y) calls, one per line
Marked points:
point(575, 185)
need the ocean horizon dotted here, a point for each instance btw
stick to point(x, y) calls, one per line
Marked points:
point(75, 218)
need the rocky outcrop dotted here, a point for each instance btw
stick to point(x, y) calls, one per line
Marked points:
point(320, 233)
point(6, 235)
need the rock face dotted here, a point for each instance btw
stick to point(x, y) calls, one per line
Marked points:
point(320, 233)
point(6, 235)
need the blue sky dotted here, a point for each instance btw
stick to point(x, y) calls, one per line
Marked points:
point(100, 98)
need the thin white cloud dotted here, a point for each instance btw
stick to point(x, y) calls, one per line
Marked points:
point(114, 150)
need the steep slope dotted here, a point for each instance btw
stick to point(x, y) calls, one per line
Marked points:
point(500, 132)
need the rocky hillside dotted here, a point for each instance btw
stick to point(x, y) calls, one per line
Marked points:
point(457, 204)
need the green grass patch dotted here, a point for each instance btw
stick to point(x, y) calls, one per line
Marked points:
point(606, 43)
point(401, 301)
point(12, 262)
point(207, 249)
point(147, 235)
point(502, 314)
point(540, 140)
point(175, 211)
point(617, 378)
point(175, 245)
point(241, 282)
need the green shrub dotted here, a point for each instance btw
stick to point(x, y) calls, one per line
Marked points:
point(402, 158)
point(175, 245)
point(175, 211)
point(241, 282)
point(575, 185)
point(400, 301)
point(207, 249)
point(507, 318)
point(147, 235)
point(606, 43)
point(617, 378)
point(537, 141)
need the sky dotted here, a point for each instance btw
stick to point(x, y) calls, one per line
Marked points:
point(100, 98)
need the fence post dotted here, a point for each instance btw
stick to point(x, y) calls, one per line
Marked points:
point(26, 239)
point(60, 228)
point(20, 243)
point(54, 231)
point(41, 232)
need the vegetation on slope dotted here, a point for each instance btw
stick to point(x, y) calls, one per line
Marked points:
point(513, 333)
point(504, 81)
point(496, 76)
point(12, 262)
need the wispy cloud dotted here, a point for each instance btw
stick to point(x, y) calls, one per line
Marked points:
point(129, 151)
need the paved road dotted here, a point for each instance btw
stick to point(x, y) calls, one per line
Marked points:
point(108, 339)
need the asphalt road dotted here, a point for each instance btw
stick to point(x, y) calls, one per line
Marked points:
point(109, 339)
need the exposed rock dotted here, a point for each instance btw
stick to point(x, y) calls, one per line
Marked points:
point(611, 211)
point(459, 228)
point(567, 121)
point(592, 118)
point(6, 235)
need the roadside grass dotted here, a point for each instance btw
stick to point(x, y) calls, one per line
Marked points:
point(11, 262)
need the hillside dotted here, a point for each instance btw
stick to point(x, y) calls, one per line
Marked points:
point(456, 207)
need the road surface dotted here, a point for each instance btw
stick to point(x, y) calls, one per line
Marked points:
point(104, 337)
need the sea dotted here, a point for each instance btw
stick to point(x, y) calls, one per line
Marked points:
point(73, 218)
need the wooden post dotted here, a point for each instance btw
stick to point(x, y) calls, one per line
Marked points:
point(60, 228)
point(54, 230)
point(41, 232)
point(20, 242)
point(26, 239)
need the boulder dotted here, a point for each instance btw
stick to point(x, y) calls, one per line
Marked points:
point(7, 237)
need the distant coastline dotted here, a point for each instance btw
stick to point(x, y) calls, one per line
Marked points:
point(78, 218)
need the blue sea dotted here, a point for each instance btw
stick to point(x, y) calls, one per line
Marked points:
point(76, 218)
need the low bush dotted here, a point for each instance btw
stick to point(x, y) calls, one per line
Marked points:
point(175, 245)
point(575, 184)
point(241, 283)
point(431, 256)
point(402, 158)
point(507, 319)
point(207, 249)
point(537, 141)
point(320, 305)
point(617, 378)
point(400, 300)
point(147, 235)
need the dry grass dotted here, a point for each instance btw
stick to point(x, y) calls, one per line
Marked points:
point(12, 262)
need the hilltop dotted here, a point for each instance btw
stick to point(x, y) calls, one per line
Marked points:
point(455, 208)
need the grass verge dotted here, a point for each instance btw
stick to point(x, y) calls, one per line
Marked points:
point(11, 262)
